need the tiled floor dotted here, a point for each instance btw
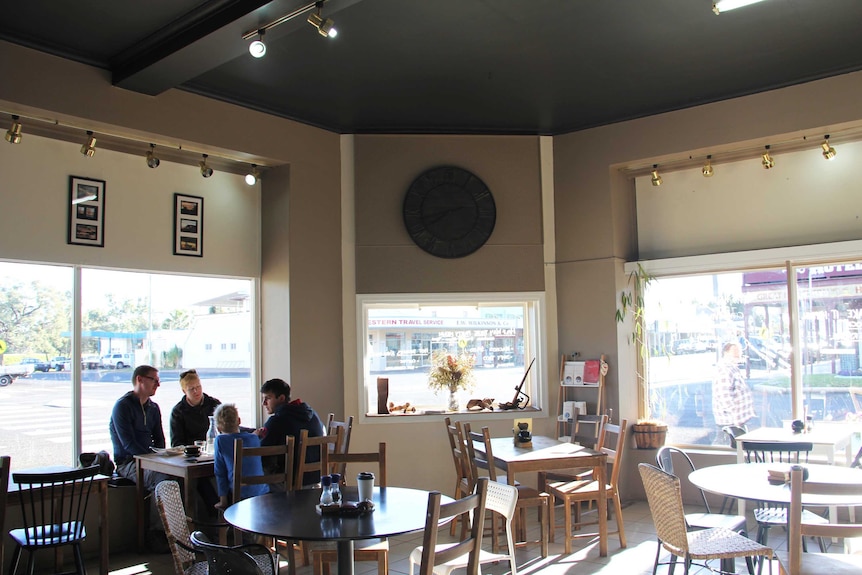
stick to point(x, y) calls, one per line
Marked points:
point(636, 559)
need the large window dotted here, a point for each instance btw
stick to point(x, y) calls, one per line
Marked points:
point(689, 319)
point(403, 334)
point(127, 319)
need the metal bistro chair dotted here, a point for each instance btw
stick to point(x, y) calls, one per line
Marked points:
point(53, 508)
point(771, 514)
point(250, 559)
point(664, 497)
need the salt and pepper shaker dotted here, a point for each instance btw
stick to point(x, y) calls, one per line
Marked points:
point(326, 491)
point(335, 490)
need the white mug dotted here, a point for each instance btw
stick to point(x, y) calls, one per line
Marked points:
point(365, 486)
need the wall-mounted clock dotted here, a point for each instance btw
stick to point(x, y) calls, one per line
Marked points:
point(449, 212)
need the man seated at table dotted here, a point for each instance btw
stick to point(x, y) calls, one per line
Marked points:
point(287, 418)
point(135, 427)
point(227, 421)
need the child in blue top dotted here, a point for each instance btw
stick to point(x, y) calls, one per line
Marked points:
point(227, 422)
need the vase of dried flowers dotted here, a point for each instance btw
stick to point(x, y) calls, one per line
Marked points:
point(451, 373)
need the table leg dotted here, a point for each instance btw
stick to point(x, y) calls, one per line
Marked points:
point(602, 510)
point(139, 505)
point(103, 528)
point(345, 557)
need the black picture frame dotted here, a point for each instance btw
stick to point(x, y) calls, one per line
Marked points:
point(188, 225)
point(86, 212)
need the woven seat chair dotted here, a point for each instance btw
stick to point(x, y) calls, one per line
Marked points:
point(665, 502)
point(249, 559)
point(173, 514)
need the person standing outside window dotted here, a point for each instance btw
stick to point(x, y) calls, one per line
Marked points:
point(288, 417)
point(190, 417)
point(732, 400)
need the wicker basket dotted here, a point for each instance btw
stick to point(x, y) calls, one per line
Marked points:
point(649, 435)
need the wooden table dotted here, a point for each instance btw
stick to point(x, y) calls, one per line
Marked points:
point(190, 469)
point(827, 439)
point(548, 454)
point(294, 516)
point(100, 482)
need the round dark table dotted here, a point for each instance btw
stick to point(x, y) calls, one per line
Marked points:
point(294, 516)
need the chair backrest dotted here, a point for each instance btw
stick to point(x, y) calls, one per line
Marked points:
point(284, 476)
point(437, 513)
point(309, 472)
point(460, 457)
point(732, 432)
point(51, 498)
point(614, 449)
point(665, 503)
point(664, 458)
point(797, 530)
point(173, 514)
point(588, 430)
point(378, 457)
point(344, 447)
point(223, 560)
point(476, 459)
point(5, 464)
point(776, 451)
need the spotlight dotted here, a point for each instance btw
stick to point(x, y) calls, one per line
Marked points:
point(656, 179)
point(828, 151)
point(767, 160)
point(152, 160)
point(719, 6)
point(206, 171)
point(325, 26)
point(258, 48)
point(253, 176)
point(707, 167)
point(89, 148)
point(13, 134)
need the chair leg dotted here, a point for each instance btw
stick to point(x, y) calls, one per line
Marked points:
point(657, 554)
point(618, 510)
point(822, 543)
point(544, 513)
point(567, 507)
point(551, 518)
point(16, 556)
point(79, 560)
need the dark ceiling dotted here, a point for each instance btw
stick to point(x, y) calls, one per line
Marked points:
point(452, 66)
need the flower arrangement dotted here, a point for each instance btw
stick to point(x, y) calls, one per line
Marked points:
point(451, 373)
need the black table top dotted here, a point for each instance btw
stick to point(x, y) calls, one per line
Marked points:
point(294, 515)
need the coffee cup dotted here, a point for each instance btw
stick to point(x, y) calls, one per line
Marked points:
point(365, 486)
point(192, 450)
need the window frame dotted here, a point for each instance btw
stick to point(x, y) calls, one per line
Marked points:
point(535, 315)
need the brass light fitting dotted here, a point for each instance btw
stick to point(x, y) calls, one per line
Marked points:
point(656, 179)
point(206, 171)
point(253, 176)
point(325, 26)
point(707, 167)
point(828, 151)
point(13, 134)
point(152, 160)
point(89, 147)
point(767, 160)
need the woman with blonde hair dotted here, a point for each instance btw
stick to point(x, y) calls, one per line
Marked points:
point(190, 417)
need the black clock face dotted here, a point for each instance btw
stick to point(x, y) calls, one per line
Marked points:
point(449, 212)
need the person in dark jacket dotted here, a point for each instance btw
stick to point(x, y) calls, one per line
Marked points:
point(190, 418)
point(288, 417)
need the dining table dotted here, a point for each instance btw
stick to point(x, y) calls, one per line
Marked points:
point(296, 516)
point(828, 440)
point(550, 454)
point(175, 464)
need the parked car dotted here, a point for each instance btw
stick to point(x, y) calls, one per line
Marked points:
point(61, 363)
point(117, 360)
point(40, 365)
point(90, 361)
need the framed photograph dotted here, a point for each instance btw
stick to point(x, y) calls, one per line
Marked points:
point(86, 212)
point(188, 225)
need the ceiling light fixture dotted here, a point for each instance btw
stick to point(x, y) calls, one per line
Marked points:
point(656, 179)
point(707, 167)
point(253, 176)
point(720, 6)
point(767, 160)
point(13, 134)
point(89, 148)
point(828, 151)
point(325, 26)
point(258, 48)
point(206, 171)
point(152, 160)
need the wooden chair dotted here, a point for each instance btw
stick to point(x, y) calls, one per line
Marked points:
point(283, 477)
point(573, 493)
point(53, 509)
point(771, 514)
point(5, 465)
point(464, 478)
point(434, 555)
point(665, 502)
point(587, 430)
point(367, 550)
point(800, 563)
point(346, 427)
point(501, 501)
point(527, 496)
point(324, 445)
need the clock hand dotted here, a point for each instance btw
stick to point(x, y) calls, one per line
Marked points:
point(437, 216)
